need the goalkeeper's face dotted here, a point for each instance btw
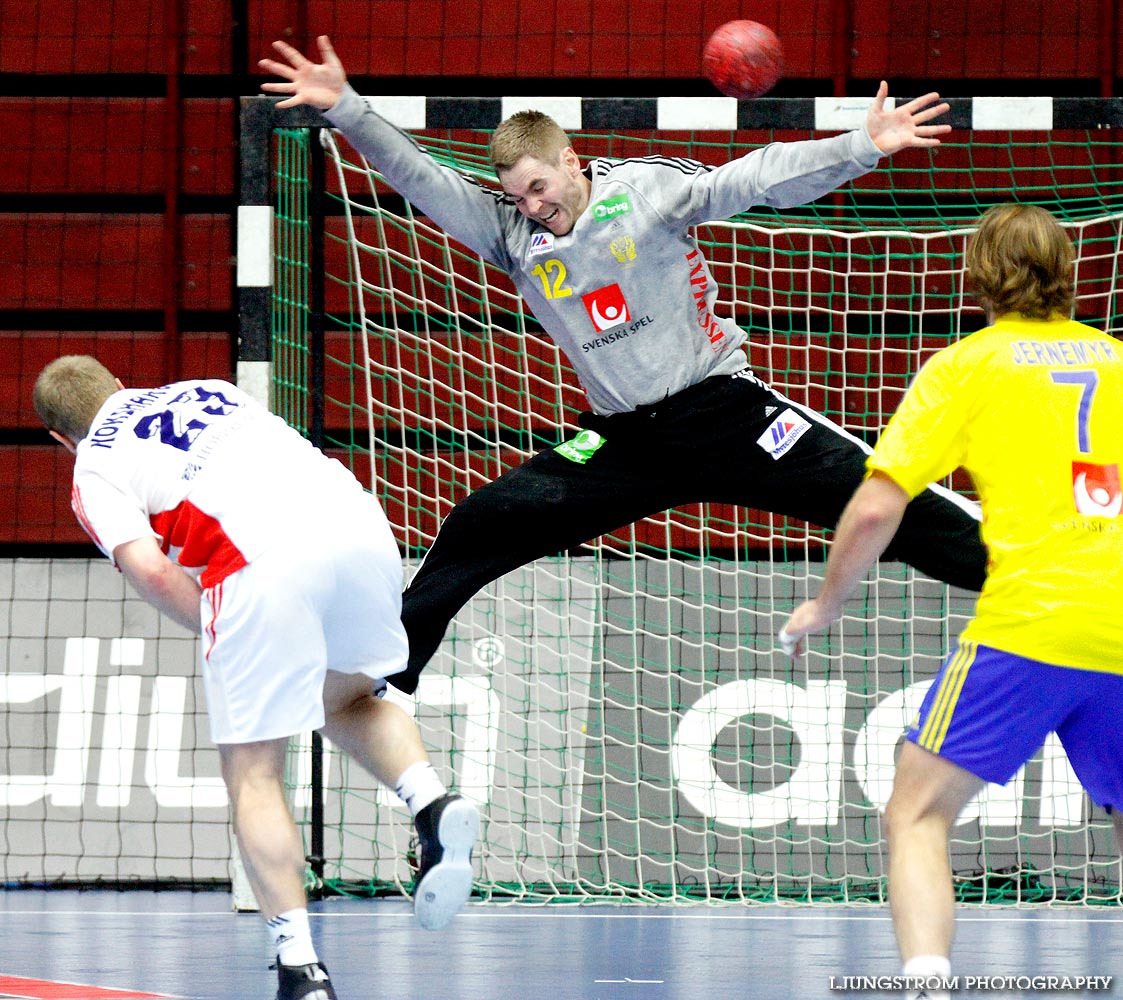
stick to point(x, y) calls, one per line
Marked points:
point(551, 194)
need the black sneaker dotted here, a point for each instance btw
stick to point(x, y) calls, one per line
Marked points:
point(303, 982)
point(447, 828)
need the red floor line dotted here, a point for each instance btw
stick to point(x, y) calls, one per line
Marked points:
point(47, 989)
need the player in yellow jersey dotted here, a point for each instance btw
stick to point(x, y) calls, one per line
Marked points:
point(1031, 406)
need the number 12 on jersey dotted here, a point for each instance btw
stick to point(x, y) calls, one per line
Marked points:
point(552, 276)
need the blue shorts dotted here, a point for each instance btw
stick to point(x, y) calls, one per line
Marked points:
point(988, 712)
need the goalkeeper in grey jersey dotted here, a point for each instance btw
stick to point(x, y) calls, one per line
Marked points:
point(605, 258)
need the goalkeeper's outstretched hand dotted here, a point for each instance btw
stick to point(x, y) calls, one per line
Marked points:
point(906, 126)
point(317, 84)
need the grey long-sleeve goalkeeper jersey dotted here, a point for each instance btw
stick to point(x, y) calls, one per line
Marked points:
point(626, 293)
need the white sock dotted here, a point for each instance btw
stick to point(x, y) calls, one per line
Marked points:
point(929, 967)
point(292, 938)
point(418, 786)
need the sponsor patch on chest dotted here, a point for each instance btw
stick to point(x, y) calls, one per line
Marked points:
point(610, 208)
point(541, 243)
point(783, 432)
point(606, 307)
point(1096, 489)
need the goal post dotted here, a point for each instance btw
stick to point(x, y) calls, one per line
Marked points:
point(619, 711)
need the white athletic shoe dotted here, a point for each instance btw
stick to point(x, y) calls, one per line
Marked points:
point(448, 829)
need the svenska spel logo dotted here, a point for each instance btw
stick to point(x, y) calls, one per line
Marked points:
point(1096, 489)
point(606, 307)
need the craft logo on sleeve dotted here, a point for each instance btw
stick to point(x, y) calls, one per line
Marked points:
point(541, 243)
point(783, 432)
point(1096, 489)
point(606, 307)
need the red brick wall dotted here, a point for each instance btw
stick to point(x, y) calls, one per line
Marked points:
point(118, 179)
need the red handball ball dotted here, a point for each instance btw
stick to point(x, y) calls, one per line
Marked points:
point(743, 59)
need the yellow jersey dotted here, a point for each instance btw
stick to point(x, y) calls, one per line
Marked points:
point(1033, 410)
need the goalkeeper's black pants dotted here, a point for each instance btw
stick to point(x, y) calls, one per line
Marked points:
point(728, 439)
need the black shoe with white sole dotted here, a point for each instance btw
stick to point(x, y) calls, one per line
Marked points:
point(303, 982)
point(448, 829)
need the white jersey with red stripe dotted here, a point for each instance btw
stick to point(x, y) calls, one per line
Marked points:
point(204, 468)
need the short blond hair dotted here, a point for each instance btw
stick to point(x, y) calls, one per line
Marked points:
point(1020, 260)
point(526, 133)
point(69, 392)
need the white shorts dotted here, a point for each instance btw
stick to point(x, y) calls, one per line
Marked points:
point(331, 599)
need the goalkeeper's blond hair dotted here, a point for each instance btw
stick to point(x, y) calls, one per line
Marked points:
point(1020, 260)
point(69, 392)
point(526, 133)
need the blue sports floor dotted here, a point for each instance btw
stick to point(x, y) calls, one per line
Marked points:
point(136, 944)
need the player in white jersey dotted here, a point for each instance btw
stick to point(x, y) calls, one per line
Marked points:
point(229, 522)
point(605, 257)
